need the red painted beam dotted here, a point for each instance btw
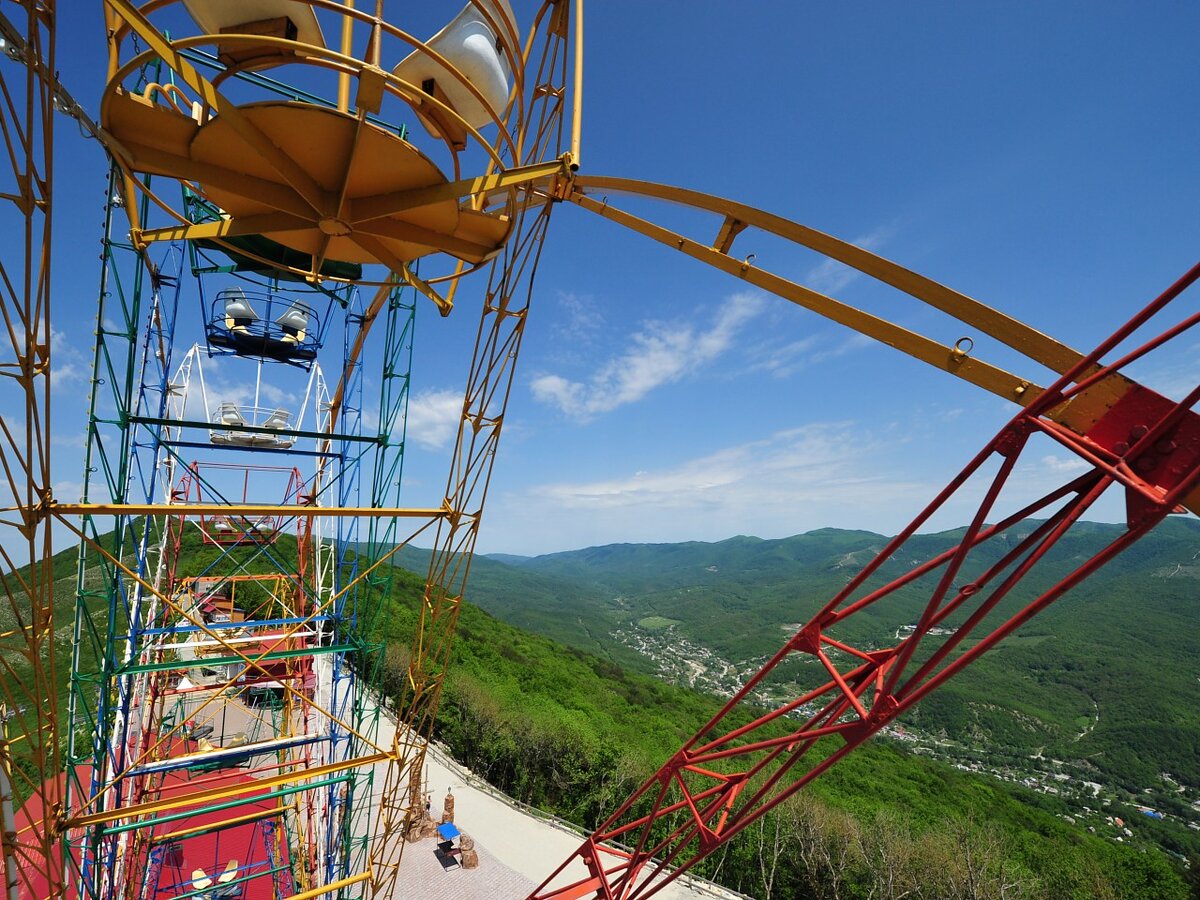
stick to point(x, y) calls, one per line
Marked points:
point(1131, 439)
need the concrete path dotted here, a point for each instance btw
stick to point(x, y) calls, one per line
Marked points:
point(523, 845)
point(517, 848)
point(423, 878)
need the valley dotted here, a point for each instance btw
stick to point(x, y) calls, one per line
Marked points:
point(1102, 807)
point(571, 732)
point(1090, 705)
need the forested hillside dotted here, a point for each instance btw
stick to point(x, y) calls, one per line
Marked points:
point(573, 733)
point(1125, 640)
point(1100, 689)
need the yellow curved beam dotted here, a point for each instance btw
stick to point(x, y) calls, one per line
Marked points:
point(949, 359)
point(298, 179)
point(1028, 341)
point(1079, 414)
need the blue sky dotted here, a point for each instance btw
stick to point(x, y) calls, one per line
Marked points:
point(1039, 157)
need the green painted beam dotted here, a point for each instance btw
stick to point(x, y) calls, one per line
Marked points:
point(228, 804)
point(210, 662)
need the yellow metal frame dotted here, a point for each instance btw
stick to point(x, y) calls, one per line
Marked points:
point(249, 661)
point(244, 509)
point(333, 886)
point(737, 218)
point(30, 754)
point(538, 174)
point(108, 816)
point(299, 203)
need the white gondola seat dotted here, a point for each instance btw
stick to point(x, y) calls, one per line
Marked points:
point(231, 418)
point(294, 20)
point(473, 46)
point(239, 314)
point(294, 322)
point(231, 422)
point(236, 325)
point(230, 414)
point(278, 420)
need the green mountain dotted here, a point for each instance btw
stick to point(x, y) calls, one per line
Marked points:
point(1104, 681)
point(572, 732)
point(549, 604)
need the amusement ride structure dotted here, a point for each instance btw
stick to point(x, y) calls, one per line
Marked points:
point(304, 173)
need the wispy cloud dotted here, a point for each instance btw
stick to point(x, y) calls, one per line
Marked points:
point(831, 276)
point(1063, 465)
point(658, 354)
point(68, 365)
point(795, 466)
point(781, 360)
point(74, 440)
point(219, 387)
point(831, 474)
point(826, 474)
point(1174, 371)
point(785, 360)
point(67, 491)
point(433, 417)
point(581, 319)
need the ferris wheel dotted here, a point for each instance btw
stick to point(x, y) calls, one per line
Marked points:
point(289, 180)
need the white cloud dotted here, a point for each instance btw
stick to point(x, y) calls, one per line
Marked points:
point(847, 345)
point(833, 474)
point(830, 276)
point(785, 360)
point(64, 375)
point(782, 360)
point(67, 491)
point(218, 386)
point(1064, 465)
point(276, 395)
point(660, 353)
point(581, 318)
point(75, 440)
point(59, 343)
point(433, 417)
point(557, 391)
point(829, 474)
point(793, 466)
point(68, 367)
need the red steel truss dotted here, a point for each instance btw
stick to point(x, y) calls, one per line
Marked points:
point(746, 761)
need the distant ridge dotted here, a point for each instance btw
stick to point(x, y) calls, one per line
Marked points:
point(1124, 642)
point(509, 559)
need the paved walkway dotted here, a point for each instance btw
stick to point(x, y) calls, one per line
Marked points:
point(517, 849)
point(423, 878)
point(528, 847)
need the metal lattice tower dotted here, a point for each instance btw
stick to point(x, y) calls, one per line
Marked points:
point(275, 214)
point(235, 554)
